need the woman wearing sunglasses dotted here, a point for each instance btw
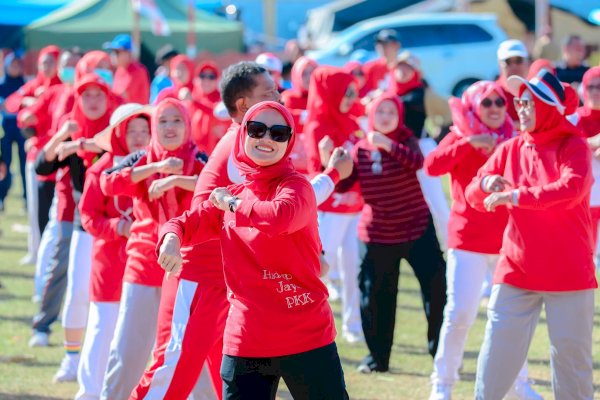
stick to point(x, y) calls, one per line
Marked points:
point(395, 224)
point(543, 178)
point(280, 324)
point(207, 130)
point(481, 123)
point(588, 120)
point(331, 96)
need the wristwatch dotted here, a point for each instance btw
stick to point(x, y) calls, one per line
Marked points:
point(232, 203)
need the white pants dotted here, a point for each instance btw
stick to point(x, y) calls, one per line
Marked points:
point(133, 340)
point(465, 274)
point(96, 346)
point(434, 195)
point(33, 239)
point(77, 298)
point(338, 234)
point(46, 250)
point(513, 315)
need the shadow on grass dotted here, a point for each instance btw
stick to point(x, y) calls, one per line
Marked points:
point(26, 320)
point(13, 247)
point(16, 274)
point(8, 396)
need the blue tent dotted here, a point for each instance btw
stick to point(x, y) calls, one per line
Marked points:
point(19, 13)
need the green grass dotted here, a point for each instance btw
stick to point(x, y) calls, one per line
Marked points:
point(26, 373)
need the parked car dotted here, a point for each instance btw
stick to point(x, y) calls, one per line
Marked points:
point(454, 49)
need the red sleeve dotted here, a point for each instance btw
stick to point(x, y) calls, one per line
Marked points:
point(214, 173)
point(139, 91)
point(286, 213)
point(92, 210)
point(409, 159)
point(573, 185)
point(195, 226)
point(447, 155)
point(40, 109)
point(495, 165)
point(119, 182)
point(13, 102)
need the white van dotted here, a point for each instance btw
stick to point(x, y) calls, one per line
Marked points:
point(454, 49)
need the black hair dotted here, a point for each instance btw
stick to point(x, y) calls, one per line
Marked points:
point(238, 81)
point(569, 39)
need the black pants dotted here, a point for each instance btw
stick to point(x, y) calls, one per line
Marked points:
point(378, 283)
point(45, 196)
point(315, 374)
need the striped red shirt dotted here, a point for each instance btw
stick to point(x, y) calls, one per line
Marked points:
point(395, 210)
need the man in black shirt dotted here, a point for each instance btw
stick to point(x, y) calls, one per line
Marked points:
point(573, 66)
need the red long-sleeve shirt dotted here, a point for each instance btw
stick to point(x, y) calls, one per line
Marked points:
point(100, 218)
point(142, 267)
point(468, 228)
point(271, 253)
point(547, 245)
point(132, 83)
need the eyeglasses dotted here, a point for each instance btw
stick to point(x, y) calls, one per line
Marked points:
point(499, 102)
point(514, 60)
point(350, 93)
point(525, 104)
point(279, 133)
point(211, 77)
point(358, 72)
point(592, 87)
point(376, 167)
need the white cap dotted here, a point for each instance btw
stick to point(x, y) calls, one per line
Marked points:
point(269, 61)
point(512, 48)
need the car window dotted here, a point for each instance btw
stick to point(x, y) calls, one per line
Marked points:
point(431, 35)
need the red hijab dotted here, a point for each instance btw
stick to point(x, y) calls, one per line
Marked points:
point(118, 139)
point(296, 98)
point(327, 89)
point(189, 66)
point(465, 112)
point(89, 62)
point(589, 119)
point(550, 124)
point(198, 94)
point(89, 128)
point(166, 207)
point(258, 178)
point(43, 80)
point(539, 65)
point(402, 88)
point(401, 133)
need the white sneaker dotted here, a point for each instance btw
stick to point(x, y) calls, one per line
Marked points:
point(28, 259)
point(68, 369)
point(39, 339)
point(522, 390)
point(335, 292)
point(440, 391)
point(353, 337)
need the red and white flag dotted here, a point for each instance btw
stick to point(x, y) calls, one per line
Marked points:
point(150, 10)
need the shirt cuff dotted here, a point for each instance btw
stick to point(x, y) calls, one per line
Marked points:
point(333, 174)
point(243, 213)
point(515, 197)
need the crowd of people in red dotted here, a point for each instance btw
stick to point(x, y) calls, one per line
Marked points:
point(203, 222)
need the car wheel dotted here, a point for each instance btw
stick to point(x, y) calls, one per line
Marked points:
point(463, 85)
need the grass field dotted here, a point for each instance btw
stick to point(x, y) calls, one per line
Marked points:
point(26, 373)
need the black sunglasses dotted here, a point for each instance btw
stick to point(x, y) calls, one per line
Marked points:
point(279, 133)
point(499, 102)
point(350, 92)
point(211, 77)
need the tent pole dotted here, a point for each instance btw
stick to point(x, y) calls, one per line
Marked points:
point(191, 37)
point(136, 35)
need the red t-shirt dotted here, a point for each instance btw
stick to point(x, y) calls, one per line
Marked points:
point(547, 245)
point(100, 216)
point(132, 83)
point(271, 250)
point(468, 228)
